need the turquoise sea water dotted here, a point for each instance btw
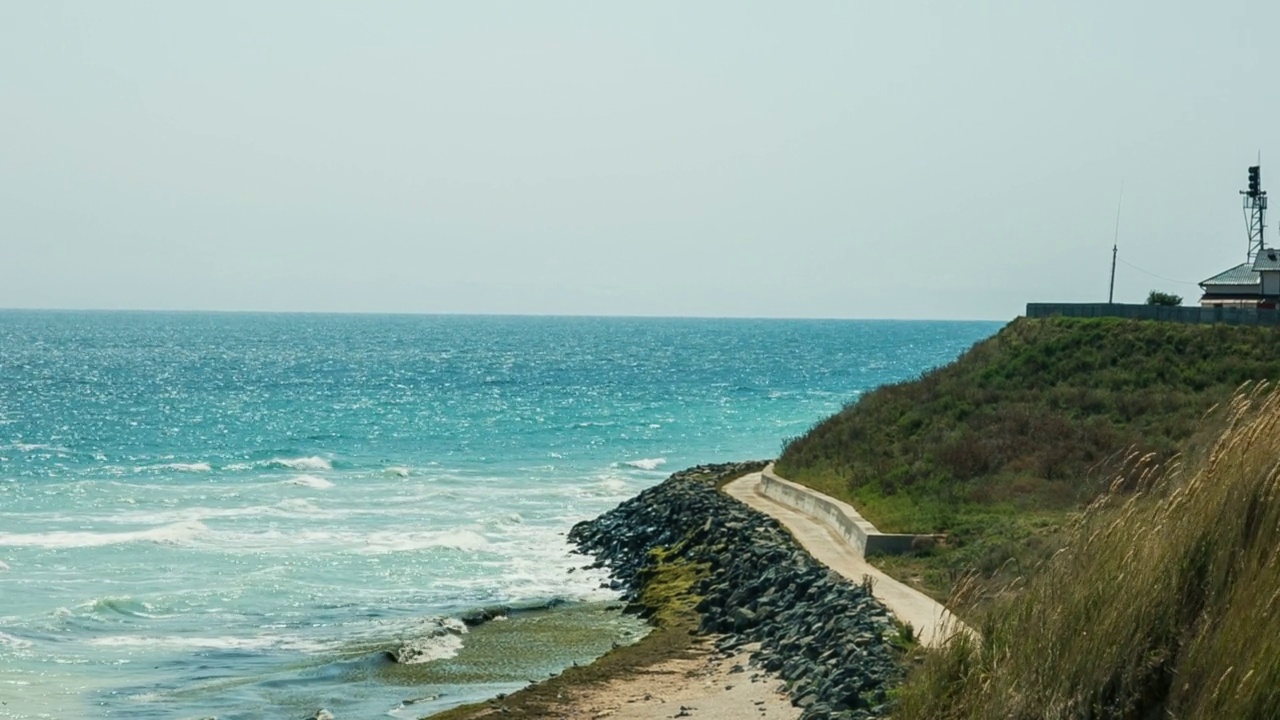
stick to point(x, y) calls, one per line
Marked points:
point(231, 515)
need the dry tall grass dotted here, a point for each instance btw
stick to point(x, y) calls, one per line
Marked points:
point(1164, 604)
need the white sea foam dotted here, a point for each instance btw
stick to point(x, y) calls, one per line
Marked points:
point(122, 605)
point(33, 447)
point(177, 642)
point(171, 534)
point(13, 642)
point(390, 541)
point(4, 565)
point(239, 467)
point(396, 471)
point(315, 462)
point(425, 649)
point(311, 481)
point(177, 467)
point(298, 505)
point(291, 507)
point(646, 463)
point(605, 486)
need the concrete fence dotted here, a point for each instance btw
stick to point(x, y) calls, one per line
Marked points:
point(839, 516)
point(1228, 315)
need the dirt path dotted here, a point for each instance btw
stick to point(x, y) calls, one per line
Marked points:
point(933, 623)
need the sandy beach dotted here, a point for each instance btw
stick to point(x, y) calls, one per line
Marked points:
point(706, 685)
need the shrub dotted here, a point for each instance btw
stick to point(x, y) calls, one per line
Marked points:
point(1155, 297)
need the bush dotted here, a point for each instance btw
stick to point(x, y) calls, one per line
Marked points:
point(1155, 297)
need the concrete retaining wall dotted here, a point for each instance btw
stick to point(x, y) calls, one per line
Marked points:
point(1228, 315)
point(837, 515)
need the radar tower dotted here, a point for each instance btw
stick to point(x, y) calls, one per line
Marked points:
point(1255, 210)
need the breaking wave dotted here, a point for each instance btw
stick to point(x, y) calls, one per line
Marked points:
point(433, 639)
point(315, 462)
point(171, 534)
point(177, 467)
point(646, 463)
point(311, 481)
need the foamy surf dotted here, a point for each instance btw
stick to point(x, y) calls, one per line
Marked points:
point(172, 534)
point(121, 605)
point(34, 447)
point(391, 541)
point(311, 481)
point(315, 462)
point(431, 639)
point(260, 642)
point(646, 463)
point(13, 642)
point(176, 467)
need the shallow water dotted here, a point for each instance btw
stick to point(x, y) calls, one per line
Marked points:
point(237, 513)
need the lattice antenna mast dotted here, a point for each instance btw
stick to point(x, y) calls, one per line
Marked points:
point(1255, 210)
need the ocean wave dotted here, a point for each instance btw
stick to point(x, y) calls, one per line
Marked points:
point(605, 486)
point(171, 534)
point(183, 642)
point(310, 481)
point(121, 605)
point(396, 472)
point(291, 507)
point(645, 463)
point(176, 467)
point(513, 518)
point(33, 447)
point(315, 462)
point(7, 640)
point(298, 505)
point(391, 541)
point(433, 639)
point(3, 565)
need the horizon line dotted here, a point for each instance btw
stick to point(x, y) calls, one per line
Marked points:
point(410, 313)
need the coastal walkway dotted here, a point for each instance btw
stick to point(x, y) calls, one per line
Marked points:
point(932, 622)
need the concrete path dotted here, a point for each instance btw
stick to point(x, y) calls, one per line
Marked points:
point(933, 623)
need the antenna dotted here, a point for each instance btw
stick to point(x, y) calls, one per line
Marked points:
point(1255, 209)
point(1115, 246)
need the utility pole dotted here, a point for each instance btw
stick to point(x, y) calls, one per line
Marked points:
point(1115, 247)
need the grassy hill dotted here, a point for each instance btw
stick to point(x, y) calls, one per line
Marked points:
point(1165, 603)
point(999, 448)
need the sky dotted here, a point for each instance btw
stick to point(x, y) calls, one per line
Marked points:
point(851, 159)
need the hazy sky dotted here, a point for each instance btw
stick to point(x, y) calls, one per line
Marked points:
point(810, 159)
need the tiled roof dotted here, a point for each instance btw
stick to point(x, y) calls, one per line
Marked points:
point(1268, 259)
point(1241, 274)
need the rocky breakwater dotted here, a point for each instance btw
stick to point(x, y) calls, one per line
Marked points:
point(829, 639)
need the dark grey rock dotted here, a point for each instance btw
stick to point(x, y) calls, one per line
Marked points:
point(822, 634)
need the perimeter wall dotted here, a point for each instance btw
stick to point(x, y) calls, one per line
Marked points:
point(1229, 315)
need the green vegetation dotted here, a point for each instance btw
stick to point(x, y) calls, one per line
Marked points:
point(1156, 297)
point(1164, 603)
point(998, 449)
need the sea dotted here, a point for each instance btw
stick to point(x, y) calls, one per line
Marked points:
point(240, 515)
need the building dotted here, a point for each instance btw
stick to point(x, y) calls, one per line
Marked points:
point(1254, 283)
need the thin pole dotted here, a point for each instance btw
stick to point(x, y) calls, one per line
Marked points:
point(1115, 247)
point(1112, 294)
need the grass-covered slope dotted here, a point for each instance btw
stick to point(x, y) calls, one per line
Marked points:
point(1165, 603)
point(1041, 400)
point(995, 448)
